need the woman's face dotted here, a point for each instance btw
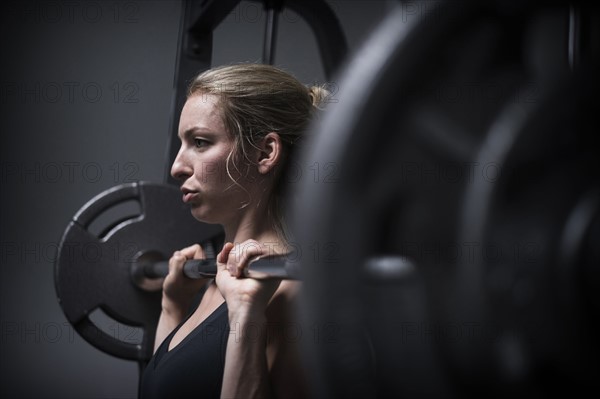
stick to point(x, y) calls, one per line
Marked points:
point(201, 164)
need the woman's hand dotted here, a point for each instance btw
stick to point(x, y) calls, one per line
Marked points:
point(178, 289)
point(244, 296)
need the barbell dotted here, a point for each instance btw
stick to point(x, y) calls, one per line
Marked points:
point(118, 267)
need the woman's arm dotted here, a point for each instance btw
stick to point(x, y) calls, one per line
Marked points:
point(259, 362)
point(246, 372)
point(170, 317)
point(286, 371)
point(262, 359)
point(178, 293)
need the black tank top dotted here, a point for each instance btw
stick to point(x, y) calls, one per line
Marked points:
point(192, 369)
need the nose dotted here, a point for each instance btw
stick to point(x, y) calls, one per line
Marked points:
point(181, 169)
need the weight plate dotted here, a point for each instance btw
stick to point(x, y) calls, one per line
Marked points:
point(93, 270)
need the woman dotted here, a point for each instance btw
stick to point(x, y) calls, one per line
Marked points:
point(238, 129)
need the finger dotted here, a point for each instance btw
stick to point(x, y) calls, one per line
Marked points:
point(193, 251)
point(224, 254)
point(199, 254)
point(176, 262)
point(241, 256)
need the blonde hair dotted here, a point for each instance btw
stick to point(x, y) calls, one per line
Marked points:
point(255, 100)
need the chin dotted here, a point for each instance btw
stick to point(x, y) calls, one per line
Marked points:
point(201, 214)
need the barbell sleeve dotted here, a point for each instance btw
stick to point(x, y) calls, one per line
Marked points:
point(156, 269)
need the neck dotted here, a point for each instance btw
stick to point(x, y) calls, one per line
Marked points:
point(255, 224)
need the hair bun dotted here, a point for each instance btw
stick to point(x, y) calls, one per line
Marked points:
point(318, 95)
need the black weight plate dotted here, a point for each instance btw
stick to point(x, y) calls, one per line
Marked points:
point(94, 270)
point(396, 111)
point(530, 271)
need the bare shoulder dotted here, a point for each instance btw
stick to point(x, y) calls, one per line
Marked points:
point(288, 289)
point(288, 379)
point(282, 305)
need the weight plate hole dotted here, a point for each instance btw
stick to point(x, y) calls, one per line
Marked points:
point(117, 330)
point(108, 220)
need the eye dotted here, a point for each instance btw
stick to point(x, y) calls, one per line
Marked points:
point(199, 143)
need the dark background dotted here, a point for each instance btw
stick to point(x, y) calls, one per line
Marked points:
point(86, 94)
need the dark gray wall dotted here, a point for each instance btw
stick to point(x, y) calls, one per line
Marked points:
point(85, 93)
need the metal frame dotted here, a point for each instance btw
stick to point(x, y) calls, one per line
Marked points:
point(194, 52)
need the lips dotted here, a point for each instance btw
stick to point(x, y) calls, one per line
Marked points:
point(189, 195)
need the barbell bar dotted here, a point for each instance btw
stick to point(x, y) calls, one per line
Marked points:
point(268, 267)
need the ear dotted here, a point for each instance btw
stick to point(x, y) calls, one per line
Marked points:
point(270, 152)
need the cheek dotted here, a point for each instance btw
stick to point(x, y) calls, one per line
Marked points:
point(212, 170)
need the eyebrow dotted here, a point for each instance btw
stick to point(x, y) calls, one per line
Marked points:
point(196, 130)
